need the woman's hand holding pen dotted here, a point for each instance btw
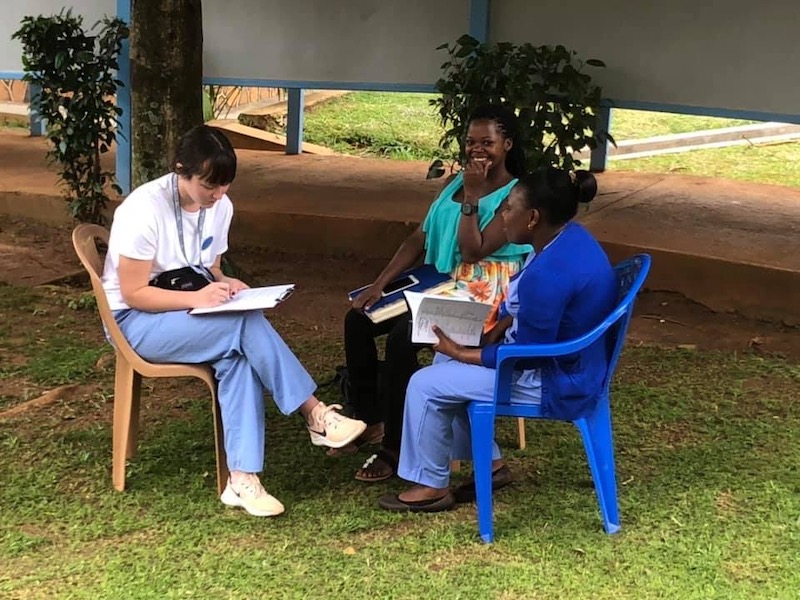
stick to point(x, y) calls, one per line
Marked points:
point(236, 285)
point(213, 294)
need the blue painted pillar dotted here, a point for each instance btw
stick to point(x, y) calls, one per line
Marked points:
point(598, 159)
point(479, 19)
point(294, 122)
point(37, 124)
point(124, 136)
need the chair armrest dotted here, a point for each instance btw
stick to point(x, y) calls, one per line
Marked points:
point(509, 354)
point(515, 352)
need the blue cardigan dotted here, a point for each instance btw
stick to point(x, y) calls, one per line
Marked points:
point(564, 292)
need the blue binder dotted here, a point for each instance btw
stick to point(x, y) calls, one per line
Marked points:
point(429, 280)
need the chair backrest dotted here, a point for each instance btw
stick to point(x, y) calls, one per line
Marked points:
point(84, 240)
point(631, 275)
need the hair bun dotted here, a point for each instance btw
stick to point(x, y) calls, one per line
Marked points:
point(586, 185)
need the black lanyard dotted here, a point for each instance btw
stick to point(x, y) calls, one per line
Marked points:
point(179, 224)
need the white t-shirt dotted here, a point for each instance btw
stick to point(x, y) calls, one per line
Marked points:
point(144, 228)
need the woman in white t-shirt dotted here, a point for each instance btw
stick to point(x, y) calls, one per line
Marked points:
point(167, 241)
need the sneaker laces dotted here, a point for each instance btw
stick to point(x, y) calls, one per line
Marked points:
point(252, 487)
point(329, 417)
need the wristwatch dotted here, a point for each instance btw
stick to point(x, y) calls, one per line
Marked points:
point(469, 209)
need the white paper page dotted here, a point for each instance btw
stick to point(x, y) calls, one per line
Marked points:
point(413, 299)
point(460, 318)
point(251, 299)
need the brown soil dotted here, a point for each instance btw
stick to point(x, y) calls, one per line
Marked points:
point(32, 253)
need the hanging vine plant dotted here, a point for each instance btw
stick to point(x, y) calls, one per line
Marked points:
point(555, 100)
point(74, 73)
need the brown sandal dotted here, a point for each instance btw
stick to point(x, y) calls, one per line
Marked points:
point(379, 467)
point(372, 435)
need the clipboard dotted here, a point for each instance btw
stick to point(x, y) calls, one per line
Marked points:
point(251, 299)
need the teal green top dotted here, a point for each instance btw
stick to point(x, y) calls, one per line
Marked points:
point(441, 227)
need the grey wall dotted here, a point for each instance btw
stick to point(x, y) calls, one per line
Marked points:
point(730, 54)
point(12, 12)
point(725, 55)
point(388, 41)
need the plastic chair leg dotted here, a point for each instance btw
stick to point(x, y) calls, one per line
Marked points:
point(598, 442)
point(123, 401)
point(133, 435)
point(521, 432)
point(481, 416)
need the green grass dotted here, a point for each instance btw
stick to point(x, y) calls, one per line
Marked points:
point(777, 164)
point(9, 122)
point(637, 124)
point(44, 342)
point(397, 125)
point(404, 126)
point(707, 452)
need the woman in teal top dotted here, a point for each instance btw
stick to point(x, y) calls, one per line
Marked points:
point(484, 279)
point(462, 235)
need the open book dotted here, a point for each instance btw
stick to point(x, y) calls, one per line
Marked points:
point(251, 299)
point(460, 317)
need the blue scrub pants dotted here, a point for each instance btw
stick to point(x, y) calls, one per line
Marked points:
point(247, 355)
point(435, 422)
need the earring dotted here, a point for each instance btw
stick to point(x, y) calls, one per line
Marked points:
point(530, 226)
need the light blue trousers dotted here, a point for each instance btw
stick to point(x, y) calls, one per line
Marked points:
point(436, 425)
point(247, 355)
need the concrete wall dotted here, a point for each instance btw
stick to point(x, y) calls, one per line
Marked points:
point(717, 56)
point(13, 11)
point(724, 54)
point(388, 41)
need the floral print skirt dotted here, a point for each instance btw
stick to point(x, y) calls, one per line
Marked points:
point(486, 281)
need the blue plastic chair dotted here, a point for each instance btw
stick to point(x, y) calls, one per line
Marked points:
point(595, 427)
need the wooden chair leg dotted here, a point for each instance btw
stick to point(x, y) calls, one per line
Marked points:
point(123, 407)
point(219, 442)
point(133, 435)
point(521, 432)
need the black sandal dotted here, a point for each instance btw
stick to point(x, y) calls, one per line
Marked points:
point(466, 491)
point(393, 503)
point(382, 456)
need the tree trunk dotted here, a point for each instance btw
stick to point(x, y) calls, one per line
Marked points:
point(166, 49)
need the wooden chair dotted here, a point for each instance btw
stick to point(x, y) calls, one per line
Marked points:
point(130, 368)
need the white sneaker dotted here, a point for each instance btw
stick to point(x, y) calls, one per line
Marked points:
point(251, 496)
point(332, 429)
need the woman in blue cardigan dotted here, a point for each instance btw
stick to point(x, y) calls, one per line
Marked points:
point(565, 288)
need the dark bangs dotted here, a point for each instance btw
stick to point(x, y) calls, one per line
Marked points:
point(206, 152)
point(219, 170)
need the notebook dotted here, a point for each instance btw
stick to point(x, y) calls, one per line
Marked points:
point(460, 317)
point(424, 278)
